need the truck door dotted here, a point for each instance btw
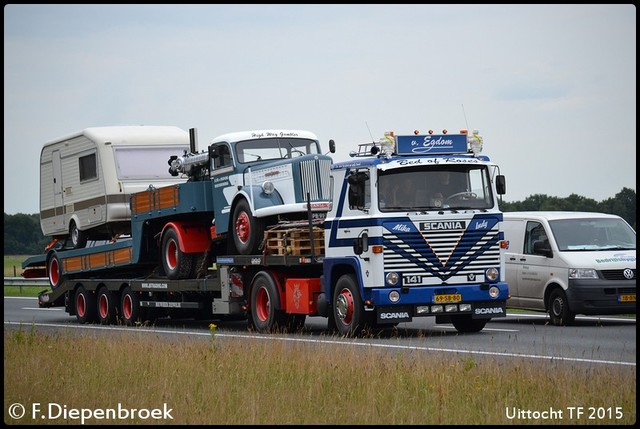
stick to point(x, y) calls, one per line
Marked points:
point(533, 271)
point(224, 181)
point(58, 198)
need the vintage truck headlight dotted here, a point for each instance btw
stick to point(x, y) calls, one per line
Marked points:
point(268, 188)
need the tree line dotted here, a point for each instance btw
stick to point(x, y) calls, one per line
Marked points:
point(23, 236)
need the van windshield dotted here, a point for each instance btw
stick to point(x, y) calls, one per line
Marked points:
point(593, 234)
point(145, 162)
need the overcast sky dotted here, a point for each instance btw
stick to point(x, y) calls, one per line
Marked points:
point(551, 88)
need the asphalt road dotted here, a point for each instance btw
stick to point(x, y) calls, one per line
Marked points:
point(591, 340)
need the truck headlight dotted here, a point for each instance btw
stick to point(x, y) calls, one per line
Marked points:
point(268, 188)
point(392, 278)
point(492, 274)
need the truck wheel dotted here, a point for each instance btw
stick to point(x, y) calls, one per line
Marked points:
point(54, 271)
point(106, 307)
point(130, 307)
point(247, 230)
point(464, 323)
point(78, 238)
point(176, 263)
point(265, 315)
point(348, 309)
point(559, 311)
point(85, 306)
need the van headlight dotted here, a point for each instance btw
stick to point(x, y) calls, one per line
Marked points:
point(582, 273)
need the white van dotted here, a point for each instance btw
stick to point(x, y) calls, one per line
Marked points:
point(568, 263)
point(86, 178)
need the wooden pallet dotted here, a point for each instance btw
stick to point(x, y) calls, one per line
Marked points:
point(293, 241)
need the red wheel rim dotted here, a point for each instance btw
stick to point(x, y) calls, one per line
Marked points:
point(242, 227)
point(263, 304)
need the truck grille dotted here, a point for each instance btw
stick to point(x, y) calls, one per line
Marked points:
point(438, 257)
point(315, 175)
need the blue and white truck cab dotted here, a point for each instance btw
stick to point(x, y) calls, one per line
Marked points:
point(415, 230)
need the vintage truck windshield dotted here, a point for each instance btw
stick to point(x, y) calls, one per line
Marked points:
point(274, 148)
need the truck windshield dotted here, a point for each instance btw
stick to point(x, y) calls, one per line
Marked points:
point(446, 187)
point(593, 234)
point(274, 148)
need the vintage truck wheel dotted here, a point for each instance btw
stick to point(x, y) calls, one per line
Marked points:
point(247, 230)
point(176, 263)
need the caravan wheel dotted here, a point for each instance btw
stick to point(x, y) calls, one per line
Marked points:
point(78, 238)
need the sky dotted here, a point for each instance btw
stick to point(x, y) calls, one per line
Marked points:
point(551, 88)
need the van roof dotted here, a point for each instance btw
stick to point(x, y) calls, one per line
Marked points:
point(554, 215)
point(130, 134)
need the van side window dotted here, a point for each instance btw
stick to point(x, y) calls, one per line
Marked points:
point(87, 167)
point(534, 232)
point(224, 157)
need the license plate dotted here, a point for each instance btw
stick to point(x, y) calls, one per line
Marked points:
point(627, 298)
point(456, 297)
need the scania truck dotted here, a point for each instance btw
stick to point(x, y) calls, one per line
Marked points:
point(269, 229)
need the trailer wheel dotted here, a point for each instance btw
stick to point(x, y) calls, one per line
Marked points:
point(465, 324)
point(78, 238)
point(176, 263)
point(106, 307)
point(265, 315)
point(130, 307)
point(247, 230)
point(54, 271)
point(86, 306)
point(348, 310)
point(559, 311)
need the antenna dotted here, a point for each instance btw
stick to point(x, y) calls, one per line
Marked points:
point(465, 116)
point(365, 122)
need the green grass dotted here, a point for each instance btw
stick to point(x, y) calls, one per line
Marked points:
point(226, 381)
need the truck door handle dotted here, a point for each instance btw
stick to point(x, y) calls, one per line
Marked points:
point(523, 259)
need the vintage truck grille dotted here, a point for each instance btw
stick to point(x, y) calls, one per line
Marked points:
point(435, 257)
point(316, 179)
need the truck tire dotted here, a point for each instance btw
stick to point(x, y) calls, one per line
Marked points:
point(265, 316)
point(176, 263)
point(78, 238)
point(247, 231)
point(130, 311)
point(465, 324)
point(54, 271)
point(348, 310)
point(559, 311)
point(106, 307)
point(86, 306)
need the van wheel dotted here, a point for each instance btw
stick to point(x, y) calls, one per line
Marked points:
point(78, 238)
point(247, 231)
point(559, 311)
point(176, 263)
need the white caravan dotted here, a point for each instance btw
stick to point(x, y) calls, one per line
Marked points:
point(87, 178)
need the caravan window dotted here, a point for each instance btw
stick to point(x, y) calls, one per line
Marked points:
point(145, 162)
point(87, 167)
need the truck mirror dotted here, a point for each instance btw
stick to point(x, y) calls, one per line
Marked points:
point(332, 146)
point(213, 152)
point(361, 244)
point(501, 184)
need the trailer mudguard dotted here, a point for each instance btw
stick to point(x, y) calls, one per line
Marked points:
point(192, 238)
